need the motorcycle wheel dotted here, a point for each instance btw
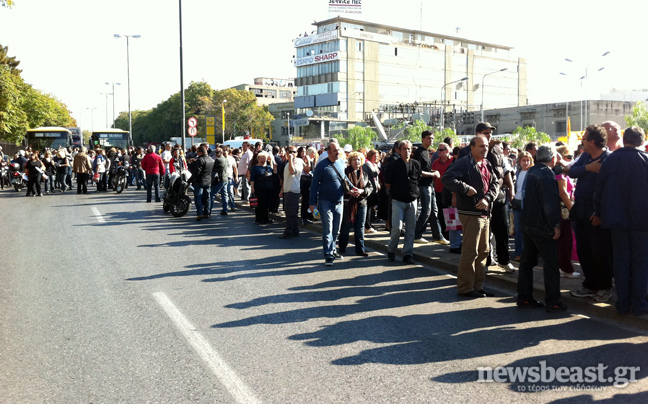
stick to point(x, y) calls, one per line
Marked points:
point(166, 207)
point(181, 208)
point(121, 183)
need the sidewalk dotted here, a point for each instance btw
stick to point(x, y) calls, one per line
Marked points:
point(437, 255)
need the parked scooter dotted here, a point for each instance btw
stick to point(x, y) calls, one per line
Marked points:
point(120, 176)
point(18, 179)
point(175, 199)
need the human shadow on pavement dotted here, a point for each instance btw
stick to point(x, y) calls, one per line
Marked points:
point(639, 398)
point(610, 356)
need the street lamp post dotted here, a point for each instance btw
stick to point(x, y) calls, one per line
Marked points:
point(91, 117)
point(443, 99)
point(482, 88)
point(223, 111)
point(585, 78)
point(130, 117)
point(113, 97)
point(182, 92)
point(106, 94)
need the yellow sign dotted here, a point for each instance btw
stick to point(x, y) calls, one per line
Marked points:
point(211, 139)
point(210, 131)
point(209, 120)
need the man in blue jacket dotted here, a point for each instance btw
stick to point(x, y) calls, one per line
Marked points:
point(620, 205)
point(327, 193)
point(540, 222)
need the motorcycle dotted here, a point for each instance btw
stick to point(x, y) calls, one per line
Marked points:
point(175, 199)
point(120, 176)
point(16, 177)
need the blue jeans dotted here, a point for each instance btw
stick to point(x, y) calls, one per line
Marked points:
point(630, 264)
point(153, 181)
point(456, 237)
point(429, 210)
point(201, 199)
point(230, 193)
point(402, 212)
point(519, 239)
point(358, 228)
point(139, 177)
point(331, 216)
point(215, 189)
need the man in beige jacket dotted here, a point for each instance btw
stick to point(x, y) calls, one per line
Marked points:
point(82, 167)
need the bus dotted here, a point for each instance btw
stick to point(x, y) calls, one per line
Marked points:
point(77, 136)
point(107, 138)
point(51, 137)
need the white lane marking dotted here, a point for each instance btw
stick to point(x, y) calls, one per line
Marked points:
point(227, 376)
point(100, 218)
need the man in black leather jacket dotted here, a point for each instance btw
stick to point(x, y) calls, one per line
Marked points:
point(473, 180)
point(201, 169)
point(540, 222)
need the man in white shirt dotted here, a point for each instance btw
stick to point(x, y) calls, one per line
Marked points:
point(232, 172)
point(166, 159)
point(243, 166)
point(292, 192)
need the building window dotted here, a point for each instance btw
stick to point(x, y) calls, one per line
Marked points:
point(360, 45)
point(285, 94)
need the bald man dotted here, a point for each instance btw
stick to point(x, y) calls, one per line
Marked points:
point(614, 141)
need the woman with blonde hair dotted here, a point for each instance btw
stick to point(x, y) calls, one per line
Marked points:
point(355, 207)
point(566, 240)
point(261, 186)
point(525, 160)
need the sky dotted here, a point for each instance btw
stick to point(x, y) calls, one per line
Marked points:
point(68, 49)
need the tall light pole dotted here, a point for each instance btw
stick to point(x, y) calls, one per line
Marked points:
point(91, 117)
point(223, 110)
point(106, 94)
point(113, 94)
point(182, 92)
point(585, 78)
point(443, 99)
point(581, 102)
point(482, 88)
point(130, 117)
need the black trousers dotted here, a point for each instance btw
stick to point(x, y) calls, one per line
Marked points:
point(500, 230)
point(594, 247)
point(82, 183)
point(547, 248)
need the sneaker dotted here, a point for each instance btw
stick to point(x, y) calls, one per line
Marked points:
point(443, 241)
point(337, 256)
point(391, 256)
point(486, 293)
point(408, 259)
point(573, 275)
point(583, 292)
point(509, 268)
point(421, 241)
point(370, 230)
point(553, 308)
point(603, 295)
point(529, 304)
point(328, 262)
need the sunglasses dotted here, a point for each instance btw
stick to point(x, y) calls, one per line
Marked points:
point(292, 151)
point(443, 149)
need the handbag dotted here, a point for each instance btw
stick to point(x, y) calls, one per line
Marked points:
point(451, 217)
point(96, 177)
point(254, 201)
point(345, 184)
point(564, 212)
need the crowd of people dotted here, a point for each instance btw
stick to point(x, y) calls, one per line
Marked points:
point(584, 204)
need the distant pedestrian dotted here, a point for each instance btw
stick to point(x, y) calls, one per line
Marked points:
point(201, 178)
point(292, 192)
point(261, 185)
point(82, 167)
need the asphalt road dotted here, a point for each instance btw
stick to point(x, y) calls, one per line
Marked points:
point(104, 299)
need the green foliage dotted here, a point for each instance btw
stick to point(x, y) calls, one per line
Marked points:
point(522, 136)
point(7, 3)
point(10, 61)
point(86, 136)
point(639, 116)
point(23, 107)
point(414, 131)
point(358, 137)
point(439, 135)
point(163, 122)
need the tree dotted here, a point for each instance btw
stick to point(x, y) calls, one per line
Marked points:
point(522, 136)
point(439, 135)
point(7, 3)
point(358, 137)
point(639, 116)
point(10, 61)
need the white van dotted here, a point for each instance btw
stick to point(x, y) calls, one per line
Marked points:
point(237, 143)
